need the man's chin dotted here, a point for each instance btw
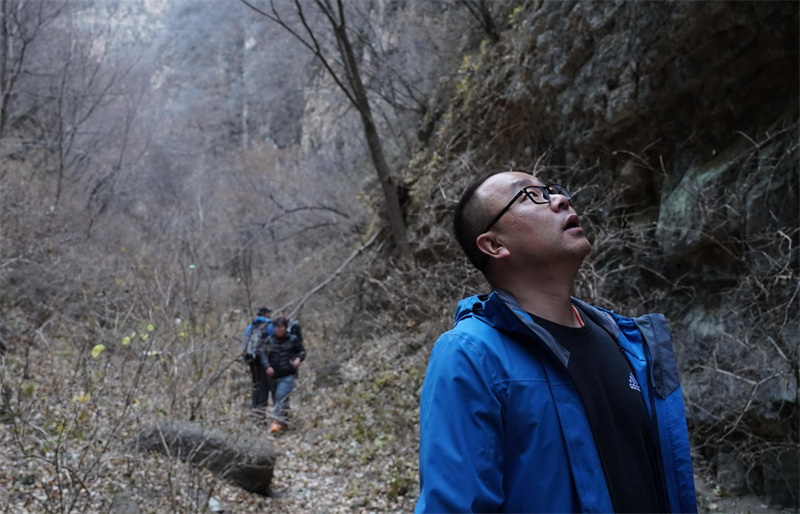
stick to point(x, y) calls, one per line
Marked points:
point(584, 248)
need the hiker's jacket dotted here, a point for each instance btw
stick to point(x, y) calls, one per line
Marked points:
point(503, 428)
point(257, 321)
point(278, 354)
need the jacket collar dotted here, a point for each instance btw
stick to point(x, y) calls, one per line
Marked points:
point(500, 310)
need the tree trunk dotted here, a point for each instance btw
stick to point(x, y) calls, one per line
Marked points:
point(353, 87)
point(396, 222)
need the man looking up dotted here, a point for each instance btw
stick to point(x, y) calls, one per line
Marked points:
point(536, 401)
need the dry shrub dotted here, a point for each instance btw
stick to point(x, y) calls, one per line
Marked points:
point(83, 388)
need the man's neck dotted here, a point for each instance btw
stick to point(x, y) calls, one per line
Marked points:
point(549, 305)
point(544, 295)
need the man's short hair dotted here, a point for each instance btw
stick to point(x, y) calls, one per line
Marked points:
point(280, 321)
point(469, 219)
point(263, 311)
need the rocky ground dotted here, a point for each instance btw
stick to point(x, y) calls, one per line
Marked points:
point(352, 447)
point(321, 470)
point(305, 481)
point(304, 484)
point(711, 501)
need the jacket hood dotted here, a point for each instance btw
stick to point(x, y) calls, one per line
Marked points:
point(500, 310)
point(489, 309)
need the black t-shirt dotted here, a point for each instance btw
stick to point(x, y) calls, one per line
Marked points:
point(614, 405)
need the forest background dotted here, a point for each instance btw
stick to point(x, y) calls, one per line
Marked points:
point(168, 167)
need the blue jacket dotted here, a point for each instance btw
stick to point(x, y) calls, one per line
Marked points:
point(503, 429)
point(257, 319)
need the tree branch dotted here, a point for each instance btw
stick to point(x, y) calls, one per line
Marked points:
point(299, 303)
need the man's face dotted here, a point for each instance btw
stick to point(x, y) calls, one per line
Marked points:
point(538, 233)
point(280, 331)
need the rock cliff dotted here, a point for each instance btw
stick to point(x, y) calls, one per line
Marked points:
point(677, 125)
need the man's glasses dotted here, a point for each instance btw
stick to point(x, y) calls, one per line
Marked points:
point(536, 194)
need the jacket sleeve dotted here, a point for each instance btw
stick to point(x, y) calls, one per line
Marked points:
point(461, 428)
point(301, 350)
point(263, 354)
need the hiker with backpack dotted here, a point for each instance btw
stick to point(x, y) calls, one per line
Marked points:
point(254, 335)
point(280, 355)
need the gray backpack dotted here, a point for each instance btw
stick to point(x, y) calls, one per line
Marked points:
point(256, 333)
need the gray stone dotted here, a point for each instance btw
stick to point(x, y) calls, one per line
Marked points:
point(782, 476)
point(244, 460)
point(123, 503)
point(731, 473)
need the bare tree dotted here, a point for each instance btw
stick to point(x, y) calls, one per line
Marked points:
point(83, 84)
point(347, 76)
point(21, 24)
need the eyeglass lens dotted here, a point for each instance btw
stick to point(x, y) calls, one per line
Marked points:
point(539, 194)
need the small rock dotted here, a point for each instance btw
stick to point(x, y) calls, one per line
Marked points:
point(214, 505)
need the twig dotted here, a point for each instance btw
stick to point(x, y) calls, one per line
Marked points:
point(328, 280)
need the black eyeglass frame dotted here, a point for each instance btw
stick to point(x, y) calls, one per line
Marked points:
point(550, 189)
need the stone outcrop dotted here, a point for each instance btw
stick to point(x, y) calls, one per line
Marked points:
point(244, 460)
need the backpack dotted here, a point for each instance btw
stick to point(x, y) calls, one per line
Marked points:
point(257, 331)
point(294, 329)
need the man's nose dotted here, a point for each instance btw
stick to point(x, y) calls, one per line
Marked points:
point(558, 202)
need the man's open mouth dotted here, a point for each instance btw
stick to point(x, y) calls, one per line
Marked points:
point(572, 222)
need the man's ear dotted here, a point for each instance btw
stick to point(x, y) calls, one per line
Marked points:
point(492, 245)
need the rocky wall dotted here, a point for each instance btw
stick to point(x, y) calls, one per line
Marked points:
point(678, 124)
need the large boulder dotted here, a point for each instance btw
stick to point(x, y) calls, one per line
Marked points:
point(245, 460)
